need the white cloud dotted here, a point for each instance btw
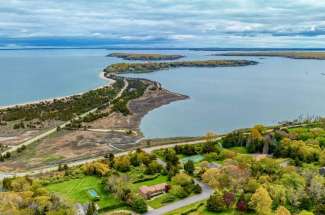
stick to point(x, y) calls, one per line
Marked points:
point(184, 22)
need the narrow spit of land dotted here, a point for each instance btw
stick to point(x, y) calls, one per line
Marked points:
point(293, 55)
point(138, 56)
point(154, 66)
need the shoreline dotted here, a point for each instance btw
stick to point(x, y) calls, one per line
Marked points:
point(101, 75)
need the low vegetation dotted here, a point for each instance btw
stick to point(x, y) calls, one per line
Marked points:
point(60, 109)
point(137, 56)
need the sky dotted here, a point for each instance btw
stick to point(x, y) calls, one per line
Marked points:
point(163, 23)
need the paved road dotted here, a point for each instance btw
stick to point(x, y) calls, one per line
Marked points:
point(53, 130)
point(84, 161)
point(206, 192)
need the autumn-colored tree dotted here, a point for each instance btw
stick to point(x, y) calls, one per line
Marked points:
point(261, 202)
point(282, 211)
point(122, 163)
point(210, 177)
point(96, 168)
point(210, 137)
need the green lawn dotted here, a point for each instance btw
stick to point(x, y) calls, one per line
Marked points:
point(75, 190)
point(157, 202)
point(241, 150)
point(161, 179)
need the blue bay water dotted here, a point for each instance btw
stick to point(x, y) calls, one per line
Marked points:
point(221, 99)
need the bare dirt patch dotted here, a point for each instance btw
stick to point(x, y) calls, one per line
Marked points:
point(68, 145)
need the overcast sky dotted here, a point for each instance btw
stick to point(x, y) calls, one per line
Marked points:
point(173, 23)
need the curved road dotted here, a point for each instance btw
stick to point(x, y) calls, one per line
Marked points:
point(206, 192)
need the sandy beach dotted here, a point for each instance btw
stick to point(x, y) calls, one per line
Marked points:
point(101, 76)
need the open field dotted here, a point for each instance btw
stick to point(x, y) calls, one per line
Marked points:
point(293, 55)
point(75, 190)
point(137, 56)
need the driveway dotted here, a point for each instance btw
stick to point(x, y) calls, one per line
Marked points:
point(206, 192)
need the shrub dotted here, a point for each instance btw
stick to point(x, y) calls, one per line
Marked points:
point(96, 168)
point(189, 167)
point(178, 191)
point(215, 202)
point(138, 204)
point(197, 189)
point(168, 198)
point(122, 163)
point(182, 179)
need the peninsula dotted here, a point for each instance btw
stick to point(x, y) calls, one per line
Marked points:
point(293, 55)
point(138, 56)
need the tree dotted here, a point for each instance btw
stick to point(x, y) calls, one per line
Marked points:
point(96, 168)
point(282, 211)
point(241, 205)
point(210, 137)
point(170, 156)
point(197, 189)
point(189, 167)
point(178, 191)
point(138, 204)
point(118, 185)
point(182, 179)
point(261, 202)
point(210, 177)
point(153, 167)
point(234, 139)
point(229, 199)
point(111, 159)
point(255, 139)
point(91, 210)
point(122, 163)
point(215, 202)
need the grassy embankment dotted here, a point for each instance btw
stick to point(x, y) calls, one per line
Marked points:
point(293, 55)
point(137, 56)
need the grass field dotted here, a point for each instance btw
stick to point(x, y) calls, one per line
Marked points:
point(161, 179)
point(241, 150)
point(75, 190)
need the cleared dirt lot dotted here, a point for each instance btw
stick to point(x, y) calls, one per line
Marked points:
point(109, 134)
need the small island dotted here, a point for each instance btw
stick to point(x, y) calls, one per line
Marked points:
point(138, 56)
point(293, 55)
point(151, 67)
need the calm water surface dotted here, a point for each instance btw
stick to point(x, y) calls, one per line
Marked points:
point(221, 99)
